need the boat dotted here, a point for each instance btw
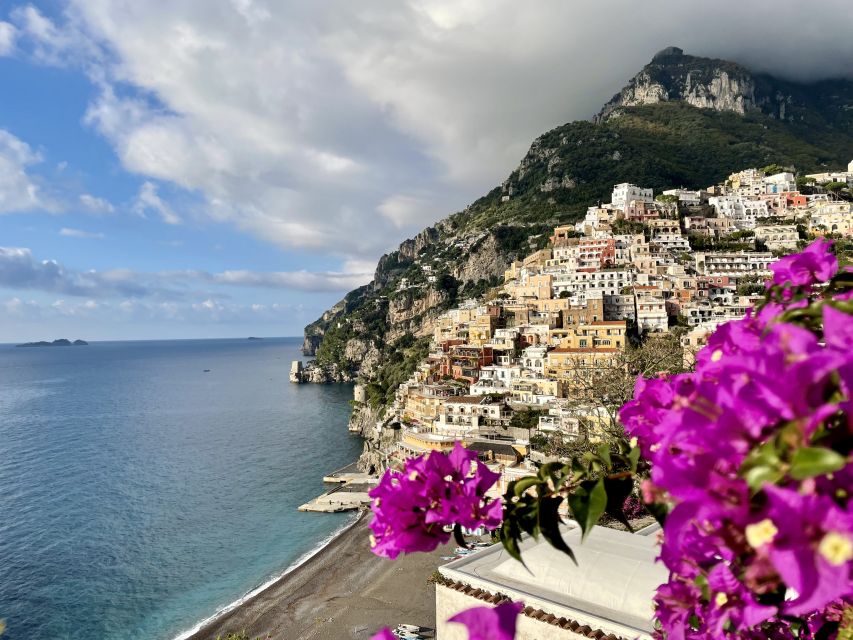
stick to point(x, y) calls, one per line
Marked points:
point(411, 628)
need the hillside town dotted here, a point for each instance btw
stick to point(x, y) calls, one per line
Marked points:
point(538, 362)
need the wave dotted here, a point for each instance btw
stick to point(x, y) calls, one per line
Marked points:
point(305, 557)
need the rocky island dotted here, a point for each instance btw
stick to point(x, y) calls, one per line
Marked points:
point(62, 342)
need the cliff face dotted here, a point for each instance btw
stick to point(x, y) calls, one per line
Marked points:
point(699, 82)
point(725, 86)
point(682, 121)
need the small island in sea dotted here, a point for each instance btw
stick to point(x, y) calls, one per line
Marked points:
point(254, 338)
point(62, 342)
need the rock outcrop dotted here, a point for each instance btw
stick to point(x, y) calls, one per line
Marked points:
point(678, 122)
point(720, 85)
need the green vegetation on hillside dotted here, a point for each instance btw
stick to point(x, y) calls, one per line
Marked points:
point(662, 146)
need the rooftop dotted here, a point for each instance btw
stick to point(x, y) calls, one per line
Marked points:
point(611, 587)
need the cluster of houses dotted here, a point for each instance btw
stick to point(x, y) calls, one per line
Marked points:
point(519, 364)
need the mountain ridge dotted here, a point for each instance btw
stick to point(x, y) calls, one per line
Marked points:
point(662, 141)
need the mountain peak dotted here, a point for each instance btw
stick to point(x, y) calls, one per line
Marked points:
point(668, 52)
point(673, 75)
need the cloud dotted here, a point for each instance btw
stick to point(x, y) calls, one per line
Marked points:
point(18, 190)
point(96, 205)
point(7, 38)
point(148, 200)
point(193, 313)
point(20, 270)
point(406, 210)
point(78, 233)
point(300, 280)
point(344, 127)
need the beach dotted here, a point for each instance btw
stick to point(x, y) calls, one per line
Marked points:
point(344, 591)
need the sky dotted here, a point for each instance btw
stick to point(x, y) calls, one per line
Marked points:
point(226, 168)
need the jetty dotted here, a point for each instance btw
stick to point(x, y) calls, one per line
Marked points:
point(349, 493)
point(349, 474)
point(345, 497)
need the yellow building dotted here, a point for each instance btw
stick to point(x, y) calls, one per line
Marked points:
point(481, 329)
point(525, 390)
point(574, 365)
point(535, 286)
point(605, 333)
point(414, 443)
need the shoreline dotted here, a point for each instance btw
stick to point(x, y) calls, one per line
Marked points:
point(340, 591)
point(211, 621)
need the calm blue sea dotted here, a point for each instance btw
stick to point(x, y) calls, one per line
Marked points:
point(139, 494)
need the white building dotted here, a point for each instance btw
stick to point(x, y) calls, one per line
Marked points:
point(742, 211)
point(673, 242)
point(609, 592)
point(650, 310)
point(733, 263)
point(834, 176)
point(468, 413)
point(626, 192)
point(706, 313)
point(620, 307)
point(780, 183)
point(581, 283)
point(560, 418)
point(747, 183)
point(533, 359)
point(685, 197)
point(779, 236)
point(831, 217)
point(495, 379)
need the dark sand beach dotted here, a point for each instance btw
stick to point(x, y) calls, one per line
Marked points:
point(342, 592)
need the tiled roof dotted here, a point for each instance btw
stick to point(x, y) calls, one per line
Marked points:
point(537, 614)
point(467, 400)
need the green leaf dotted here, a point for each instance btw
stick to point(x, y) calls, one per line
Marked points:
point(815, 461)
point(523, 484)
point(588, 503)
point(659, 511)
point(634, 458)
point(549, 525)
point(458, 537)
point(760, 475)
point(604, 454)
point(510, 535)
point(618, 490)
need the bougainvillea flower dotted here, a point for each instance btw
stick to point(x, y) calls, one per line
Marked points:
point(814, 265)
point(384, 634)
point(813, 548)
point(490, 623)
point(757, 544)
point(411, 507)
point(732, 603)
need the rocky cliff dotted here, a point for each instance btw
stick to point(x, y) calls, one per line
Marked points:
point(682, 121)
point(721, 85)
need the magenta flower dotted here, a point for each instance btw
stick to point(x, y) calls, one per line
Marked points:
point(813, 548)
point(814, 265)
point(762, 549)
point(677, 602)
point(732, 603)
point(412, 507)
point(384, 634)
point(490, 623)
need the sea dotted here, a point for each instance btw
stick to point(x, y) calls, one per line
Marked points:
point(144, 486)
